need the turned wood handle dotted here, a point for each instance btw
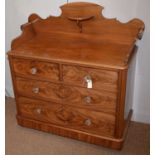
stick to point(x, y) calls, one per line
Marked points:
point(80, 18)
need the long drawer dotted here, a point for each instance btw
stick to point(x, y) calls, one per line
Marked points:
point(100, 79)
point(36, 69)
point(59, 93)
point(81, 119)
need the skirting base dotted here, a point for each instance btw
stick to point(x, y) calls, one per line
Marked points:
point(76, 134)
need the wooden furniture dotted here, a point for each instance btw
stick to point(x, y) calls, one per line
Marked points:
point(70, 74)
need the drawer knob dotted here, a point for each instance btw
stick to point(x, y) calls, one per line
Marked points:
point(88, 122)
point(33, 70)
point(38, 110)
point(35, 90)
point(88, 99)
point(89, 81)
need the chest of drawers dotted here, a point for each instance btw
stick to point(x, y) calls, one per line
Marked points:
point(70, 74)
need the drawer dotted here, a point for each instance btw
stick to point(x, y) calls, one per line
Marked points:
point(37, 89)
point(36, 69)
point(67, 116)
point(76, 96)
point(101, 79)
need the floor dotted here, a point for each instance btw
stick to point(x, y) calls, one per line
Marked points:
point(24, 141)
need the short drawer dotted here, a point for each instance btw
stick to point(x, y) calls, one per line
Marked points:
point(37, 89)
point(101, 79)
point(67, 116)
point(76, 96)
point(36, 69)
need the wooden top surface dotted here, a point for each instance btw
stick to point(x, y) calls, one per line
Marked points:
point(81, 35)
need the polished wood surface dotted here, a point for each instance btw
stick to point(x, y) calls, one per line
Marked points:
point(69, 73)
point(57, 38)
point(71, 133)
point(102, 79)
point(75, 96)
point(68, 116)
point(34, 68)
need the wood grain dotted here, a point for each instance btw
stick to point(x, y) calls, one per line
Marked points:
point(121, 106)
point(101, 79)
point(48, 71)
point(27, 33)
point(100, 101)
point(101, 124)
point(58, 38)
point(50, 61)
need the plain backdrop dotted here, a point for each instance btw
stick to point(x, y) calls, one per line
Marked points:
point(17, 12)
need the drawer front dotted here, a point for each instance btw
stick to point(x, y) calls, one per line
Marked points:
point(81, 119)
point(86, 98)
point(37, 89)
point(101, 79)
point(36, 69)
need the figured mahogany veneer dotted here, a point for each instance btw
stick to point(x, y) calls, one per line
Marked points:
point(34, 68)
point(94, 99)
point(76, 118)
point(102, 79)
point(70, 74)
